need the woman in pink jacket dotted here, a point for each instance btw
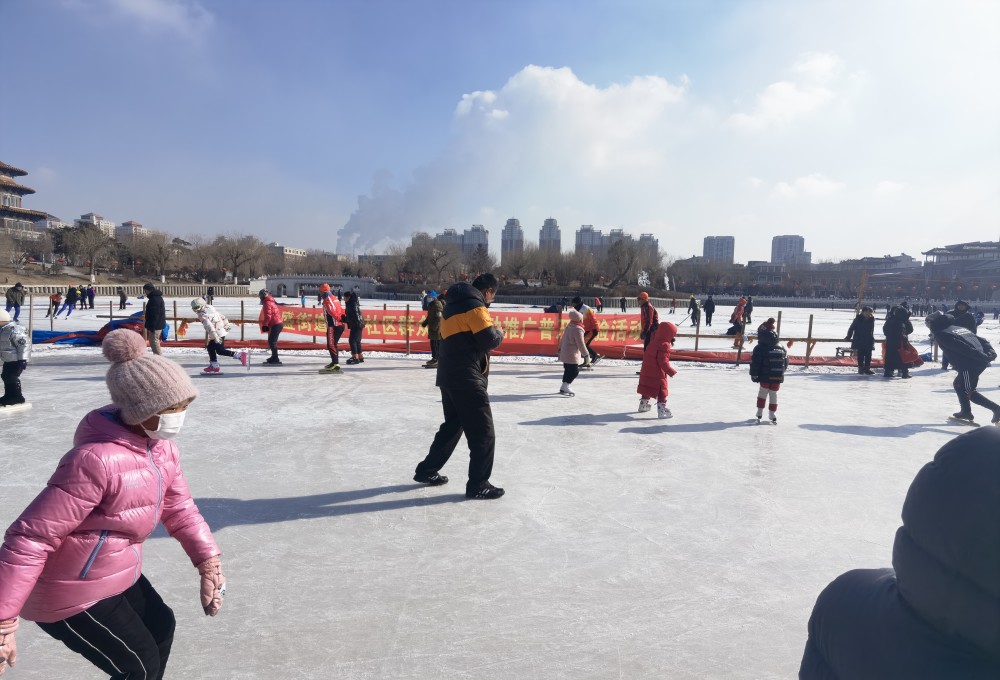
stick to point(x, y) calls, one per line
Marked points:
point(72, 562)
point(572, 348)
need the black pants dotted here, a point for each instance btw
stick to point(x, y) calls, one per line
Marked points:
point(217, 348)
point(435, 345)
point(465, 411)
point(121, 303)
point(272, 339)
point(864, 360)
point(354, 340)
point(708, 318)
point(588, 338)
point(127, 636)
point(965, 387)
point(11, 383)
point(944, 361)
point(893, 361)
point(333, 334)
point(624, 309)
point(570, 371)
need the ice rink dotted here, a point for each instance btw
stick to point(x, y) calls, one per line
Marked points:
point(625, 547)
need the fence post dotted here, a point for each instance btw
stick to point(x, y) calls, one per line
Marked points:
point(739, 339)
point(407, 329)
point(242, 320)
point(145, 331)
point(777, 328)
point(697, 333)
point(809, 340)
point(175, 320)
point(31, 315)
point(384, 308)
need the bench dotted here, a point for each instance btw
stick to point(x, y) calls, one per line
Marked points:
point(846, 352)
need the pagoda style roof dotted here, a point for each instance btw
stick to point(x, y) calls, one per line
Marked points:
point(33, 215)
point(11, 170)
point(9, 184)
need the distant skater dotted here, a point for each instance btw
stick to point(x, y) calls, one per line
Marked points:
point(862, 337)
point(767, 368)
point(333, 312)
point(355, 321)
point(709, 308)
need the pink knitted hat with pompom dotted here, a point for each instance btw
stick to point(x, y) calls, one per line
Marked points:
point(141, 384)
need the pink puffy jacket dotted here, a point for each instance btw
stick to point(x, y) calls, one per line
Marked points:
point(572, 347)
point(80, 540)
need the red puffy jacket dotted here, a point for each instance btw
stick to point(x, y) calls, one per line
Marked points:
point(656, 366)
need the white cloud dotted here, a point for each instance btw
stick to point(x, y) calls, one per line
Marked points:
point(811, 89)
point(545, 138)
point(810, 186)
point(888, 188)
point(187, 18)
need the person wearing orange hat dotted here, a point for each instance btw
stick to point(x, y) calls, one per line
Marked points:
point(649, 319)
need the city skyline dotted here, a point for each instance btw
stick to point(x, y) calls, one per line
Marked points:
point(358, 125)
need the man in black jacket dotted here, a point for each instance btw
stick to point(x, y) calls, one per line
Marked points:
point(936, 614)
point(467, 336)
point(156, 317)
point(896, 327)
point(709, 308)
point(970, 355)
point(963, 317)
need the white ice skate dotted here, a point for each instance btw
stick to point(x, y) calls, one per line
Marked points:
point(644, 405)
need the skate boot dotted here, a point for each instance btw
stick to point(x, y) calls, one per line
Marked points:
point(760, 414)
point(243, 357)
point(774, 419)
point(996, 418)
point(566, 391)
point(644, 405)
point(662, 412)
point(213, 367)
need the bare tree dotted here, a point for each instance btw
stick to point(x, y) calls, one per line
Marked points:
point(200, 257)
point(522, 265)
point(239, 251)
point(89, 244)
point(481, 260)
point(620, 263)
point(156, 249)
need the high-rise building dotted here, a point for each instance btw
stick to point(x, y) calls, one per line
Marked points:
point(448, 237)
point(789, 249)
point(127, 231)
point(590, 240)
point(511, 238)
point(720, 249)
point(549, 238)
point(107, 227)
point(649, 244)
point(477, 236)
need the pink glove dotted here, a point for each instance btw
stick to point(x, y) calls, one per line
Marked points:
point(213, 585)
point(8, 646)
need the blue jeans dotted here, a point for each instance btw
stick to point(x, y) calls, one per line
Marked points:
point(16, 308)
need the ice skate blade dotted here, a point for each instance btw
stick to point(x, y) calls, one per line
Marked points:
point(14, 408)
point(962, 421)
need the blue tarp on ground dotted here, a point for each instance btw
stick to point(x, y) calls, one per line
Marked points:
point(133, 321)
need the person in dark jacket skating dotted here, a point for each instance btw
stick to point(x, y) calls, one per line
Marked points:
point(767, 368)
point(709, 308)
point(69, 304)
point(896, 327)
point(963, 317)
point(123, 298)
point(156, 316)
point(748, 311)
point(970, 355)
point(91, 293)
point(432, 322)
point(15, 298)
point(862, 337)
point(936, 614)
point(467, 337)
point(355, 321)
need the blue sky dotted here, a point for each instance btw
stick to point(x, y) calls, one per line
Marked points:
point(867, 127)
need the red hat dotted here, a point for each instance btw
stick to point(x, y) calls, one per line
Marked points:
point(643, 295)
point(325, 288)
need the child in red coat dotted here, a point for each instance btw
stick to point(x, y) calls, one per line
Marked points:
point(656, 369)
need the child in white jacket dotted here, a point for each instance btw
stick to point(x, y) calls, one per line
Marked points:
point(572, 349)
point(216, 326)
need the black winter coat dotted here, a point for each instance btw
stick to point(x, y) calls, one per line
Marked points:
point(937, 615)
point(897, 324)
point(156, 313)
point(72, 296)
point(352, 313)
point(862, 333)
point(964, 319)
point(966, 351)
point(709, 306)
point(769, 360)
point(467, 336)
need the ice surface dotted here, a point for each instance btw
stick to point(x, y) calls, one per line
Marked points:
point(626, 546)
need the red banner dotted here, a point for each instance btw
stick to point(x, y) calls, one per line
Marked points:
point(532, 332)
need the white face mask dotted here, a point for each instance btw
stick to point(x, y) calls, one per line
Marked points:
point(170, 425)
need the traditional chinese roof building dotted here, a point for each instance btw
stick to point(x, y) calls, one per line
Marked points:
point(15, 219)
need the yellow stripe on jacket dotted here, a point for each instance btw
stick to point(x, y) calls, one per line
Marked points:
point(472, 321)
